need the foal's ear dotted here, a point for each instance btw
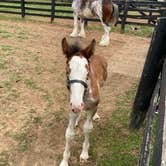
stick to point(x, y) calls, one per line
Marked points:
point(89, 50)
point(65, 47)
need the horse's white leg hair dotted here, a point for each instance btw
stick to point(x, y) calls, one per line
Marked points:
point(75, 29)
point(69, 136)
point(82, 31)
point(106, 37)
point(87, 128)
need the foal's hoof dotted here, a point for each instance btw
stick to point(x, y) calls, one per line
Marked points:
point(73, 35)
point(64, 163)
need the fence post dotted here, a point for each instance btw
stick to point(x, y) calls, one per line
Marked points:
point(126, 6)
point(152, 68)
point(52, 10)
point(22, 8)
point(144, 156)
point(159, 155)
point(149, 19)
point(86, 22)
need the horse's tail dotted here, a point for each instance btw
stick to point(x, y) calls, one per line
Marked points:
point(115, 15)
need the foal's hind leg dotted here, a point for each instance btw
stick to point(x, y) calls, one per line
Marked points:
point(75, 29)
point(87, 128)
point(69, 136)
point(82, 31)
point(105, 40)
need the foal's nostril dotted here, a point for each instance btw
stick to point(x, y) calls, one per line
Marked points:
point(76, 108)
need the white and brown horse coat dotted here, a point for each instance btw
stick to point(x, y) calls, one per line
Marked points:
point(104, 9)
point(93, 73)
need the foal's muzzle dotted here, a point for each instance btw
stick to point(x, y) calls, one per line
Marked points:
point(76, 108)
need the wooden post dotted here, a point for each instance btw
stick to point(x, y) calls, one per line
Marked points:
point(22, 8)
point(126, 6)
point(52, 10)
point(144, 156)
point(152, 68)
point(149, 19)
point(86, 22)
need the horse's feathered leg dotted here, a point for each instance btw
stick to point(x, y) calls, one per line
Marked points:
point(75, 29)
point(82, 31)
point(105, 39)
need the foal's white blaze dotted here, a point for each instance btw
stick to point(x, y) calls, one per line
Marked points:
point(78, 71)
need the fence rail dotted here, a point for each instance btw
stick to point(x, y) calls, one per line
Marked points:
point(131, 12)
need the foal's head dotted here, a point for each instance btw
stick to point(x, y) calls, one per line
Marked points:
point(77, 69)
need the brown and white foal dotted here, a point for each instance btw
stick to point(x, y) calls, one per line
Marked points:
point(86, 74)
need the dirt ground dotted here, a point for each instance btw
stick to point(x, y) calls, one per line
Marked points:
point(33, 95)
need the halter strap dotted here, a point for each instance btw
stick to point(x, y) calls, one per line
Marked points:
point(77, 81)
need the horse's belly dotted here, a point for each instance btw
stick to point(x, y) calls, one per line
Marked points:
point(86, 12)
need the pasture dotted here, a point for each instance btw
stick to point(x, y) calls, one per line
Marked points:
point(34, 97)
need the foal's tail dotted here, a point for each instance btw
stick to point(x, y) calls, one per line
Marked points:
point(115, 15)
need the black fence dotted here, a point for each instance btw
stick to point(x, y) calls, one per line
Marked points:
point(131, 12)
point(151, 98)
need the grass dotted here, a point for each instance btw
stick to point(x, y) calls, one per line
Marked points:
point(6, 50)
point(4, 156)
point(29, 82)
point(142, 31)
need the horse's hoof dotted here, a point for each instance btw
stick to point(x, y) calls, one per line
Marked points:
point(84, 157)
point(82, 35)
point(104, 43)
point(73, 35)
point(64, 163)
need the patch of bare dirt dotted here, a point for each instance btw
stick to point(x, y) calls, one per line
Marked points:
point(33, 95)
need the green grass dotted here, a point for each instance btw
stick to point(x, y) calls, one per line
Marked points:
point(143, 31)
point(2, 64)
point(29, 82)
point(6, 50)
point(17, 32)
point(4, 157)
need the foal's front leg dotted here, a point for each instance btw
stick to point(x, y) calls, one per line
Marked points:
point(87, 128)
point(69, 136)
point(75, 29)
